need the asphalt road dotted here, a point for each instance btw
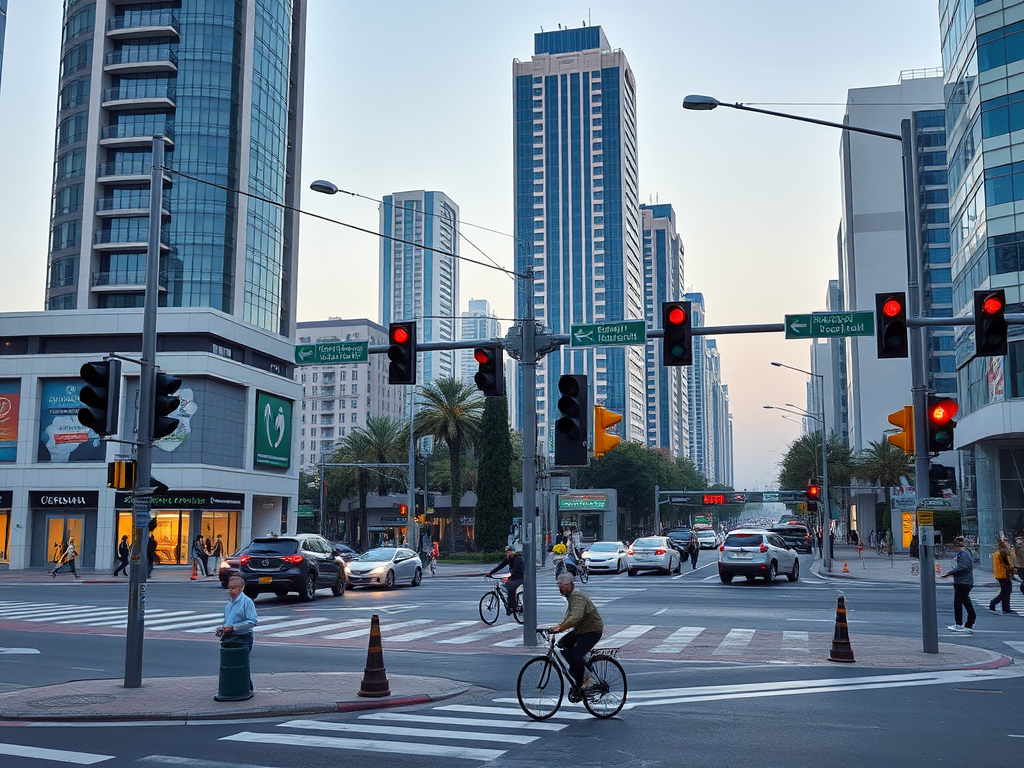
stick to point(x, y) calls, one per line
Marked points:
point(722, 706)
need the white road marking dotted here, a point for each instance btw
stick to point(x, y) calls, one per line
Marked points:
point(795, 641)
point(660, 611)
point(20, 614)
point(188, 762)
point(365, 631)
point(368, 745)
point(53, 755)
point(524, 725)
point(630, 633)
point(735, 642)
point(12, 651)
point(420, 733)
point(96, 613)
point(483, 634)
point(151, 618)
point(293, 623)
point(447, 627)
point(516, 711)
point(319, 628)
point(1017, 645)
point(678, 640)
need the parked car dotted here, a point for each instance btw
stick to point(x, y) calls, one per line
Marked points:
point(679, 538)
point(346, 552)
point(606, 556)
point(385, 567)
point(229, 567)
point(796, 535)
point(653, 553)
point(753, 552)
point(706, 538)
point(301, 563)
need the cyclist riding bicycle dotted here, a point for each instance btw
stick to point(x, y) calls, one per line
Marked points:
point(516, 575)
point(586, 625)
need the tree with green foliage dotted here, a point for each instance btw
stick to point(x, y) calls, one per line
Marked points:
point(885, 465)
point(494, 496)
point(802, 464)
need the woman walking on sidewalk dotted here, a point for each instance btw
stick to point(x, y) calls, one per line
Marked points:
point(1002, 569)
point(962, 572)
point(67, 559)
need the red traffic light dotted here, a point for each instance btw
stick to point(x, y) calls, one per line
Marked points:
point(892, 307)
point(813, 492)
point(482, 356)
point(676, 315)
point(992, 305)
point(943, 411)
point(399, 335)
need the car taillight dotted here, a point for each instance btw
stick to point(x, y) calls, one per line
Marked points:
point(764, 548)
point(293, 559)
point(660, 551)
point(629, 551)
point(722, 548)
point(244, 560)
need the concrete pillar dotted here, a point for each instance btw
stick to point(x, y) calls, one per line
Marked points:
point(990, 506)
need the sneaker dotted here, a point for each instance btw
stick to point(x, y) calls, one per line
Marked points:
point(968, 630)
point(992, 608)
point(955, 628)
point(1010, 613)
point(586, 682)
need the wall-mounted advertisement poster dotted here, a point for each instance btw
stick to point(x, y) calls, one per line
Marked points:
point(273, 431)
point(10, 402)
point(61, 437)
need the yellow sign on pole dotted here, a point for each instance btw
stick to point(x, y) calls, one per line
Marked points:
point(925, 517)
point(908, 528)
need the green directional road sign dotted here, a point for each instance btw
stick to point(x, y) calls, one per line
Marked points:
point(830, 325)
point(610, 334)
point(332, 352)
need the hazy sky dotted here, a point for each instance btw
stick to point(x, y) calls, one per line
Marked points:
point(411, 95)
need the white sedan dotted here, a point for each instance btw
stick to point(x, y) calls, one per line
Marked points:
point(385, 567)
point(652, 553)
point(606, 556)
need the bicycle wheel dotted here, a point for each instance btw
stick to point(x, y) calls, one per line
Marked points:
point(607, 690)
point(490, 604)
point(584, 574)
point(539, 688)
point(517, 609)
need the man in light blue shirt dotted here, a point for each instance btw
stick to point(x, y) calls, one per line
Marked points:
point(240, 613)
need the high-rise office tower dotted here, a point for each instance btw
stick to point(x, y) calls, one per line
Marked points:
point(667, 411)
point(222, 81)
point(3, 32)
point(577, 215)
point(418, 281)
point(478, 322)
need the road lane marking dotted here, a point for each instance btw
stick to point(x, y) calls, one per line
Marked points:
point(151, 616)
point(735, 642)
point(188, 762)
point(627, 635)
point(367, 745)
point(54, 755)
point(1017, 645)
point(516, 711)
point(525, 725)
point(362, 632)
point(294, 623)
point(319, 628)
point(483, 634)
point(420, 733)
point(796, 641)
point(660, 611)
point(678, 640)
point(14, 651)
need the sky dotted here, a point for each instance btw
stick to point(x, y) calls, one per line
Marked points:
point(409, 95)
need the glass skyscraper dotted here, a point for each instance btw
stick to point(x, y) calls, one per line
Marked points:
point(221, 80)
point(577, 215)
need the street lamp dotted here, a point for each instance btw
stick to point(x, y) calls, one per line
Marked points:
point(915, 297)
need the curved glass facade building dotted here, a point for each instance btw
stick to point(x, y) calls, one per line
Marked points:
point(221, 80)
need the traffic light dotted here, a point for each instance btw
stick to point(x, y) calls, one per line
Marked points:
point(989, 324)
point(571, 425)
point(100, 396)
point(490, 375)
point(904, 419)
point(603, 442)
point(891, 322)
point(813, 494)
point(677, 324)
point(165, 403)
point(121, 474)
point(402, 353)
point(940, 423)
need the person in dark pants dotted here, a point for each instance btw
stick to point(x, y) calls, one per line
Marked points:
point(962, 572)
point(1002, 568)
point(586, 625)
point(67, 559)
point(693, 551)
point(124, 551)
point(150, 554)
point(516, 574)
point(199, 555)
point(239, 614)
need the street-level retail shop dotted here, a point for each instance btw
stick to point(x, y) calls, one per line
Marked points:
point(5, 526)
point(56, 517)
point(181, 515)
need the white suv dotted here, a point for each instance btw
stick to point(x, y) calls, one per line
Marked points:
point(753, 552)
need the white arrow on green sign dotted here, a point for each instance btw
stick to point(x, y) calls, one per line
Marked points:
point(332, 352)
point(830, 325)
point(610, 334)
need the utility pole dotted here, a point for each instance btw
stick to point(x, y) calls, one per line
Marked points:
point(529, 364)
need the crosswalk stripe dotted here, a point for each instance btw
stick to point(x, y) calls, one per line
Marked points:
point(93, 615)
point(525, 725)
point(276, 621)
point(483, 634)
point(362, 632)
point(511, 643)
point(53, 755)
point(319, 628)
point(191, 762)
point(368, 745)
point(175, 623)
point(736, 641)
point(795, 641)
point(630, 633)
point(295, 623)
point(447, 627)
point(562, 714)
point(21, 614)
point(420, 733)
point(678, 640)
point(151, 617)
point(1017, 645)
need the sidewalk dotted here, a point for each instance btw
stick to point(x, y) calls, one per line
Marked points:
point(900, 568)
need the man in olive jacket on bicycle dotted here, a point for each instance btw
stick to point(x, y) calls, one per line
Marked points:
point(582, 618)
point(516, 575)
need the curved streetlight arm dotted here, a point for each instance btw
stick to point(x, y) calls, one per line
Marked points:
point(798, 370)
point(794, 410)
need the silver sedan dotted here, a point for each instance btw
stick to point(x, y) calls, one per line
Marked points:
point(606, 556)
point(652, 553)
point(385, 567)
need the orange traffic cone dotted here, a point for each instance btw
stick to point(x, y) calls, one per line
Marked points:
point(195, 571)
point(846, 567)
point(938, 569)
point(841, 650)
point(375, 682)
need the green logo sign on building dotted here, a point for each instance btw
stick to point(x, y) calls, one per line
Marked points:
point(273, 431)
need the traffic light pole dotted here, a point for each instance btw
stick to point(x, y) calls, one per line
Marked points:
point(528, 361)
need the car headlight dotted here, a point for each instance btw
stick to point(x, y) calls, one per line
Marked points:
point(378, 570)
point(348, 569)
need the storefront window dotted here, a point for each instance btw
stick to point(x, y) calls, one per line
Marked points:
point(173, 532)
point(5, 537)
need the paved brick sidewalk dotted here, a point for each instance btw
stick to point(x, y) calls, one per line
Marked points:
point(867, 565)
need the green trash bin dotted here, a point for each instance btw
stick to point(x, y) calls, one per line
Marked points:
point(234, 669)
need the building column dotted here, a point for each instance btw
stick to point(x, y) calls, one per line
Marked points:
point(990, 506)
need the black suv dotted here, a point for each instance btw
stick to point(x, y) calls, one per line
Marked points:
point(301, 563)
point(796, 535)
point(680, 537)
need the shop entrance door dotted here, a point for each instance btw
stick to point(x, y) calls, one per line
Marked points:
point(59, 528)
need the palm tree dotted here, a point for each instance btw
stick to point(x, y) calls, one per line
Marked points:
point(883, 464)
point(450, 411)
point(382, 441)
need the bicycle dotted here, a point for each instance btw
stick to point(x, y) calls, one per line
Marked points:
point(579, 568)
point(494, 600)
point(431, 563)
point(541, 683)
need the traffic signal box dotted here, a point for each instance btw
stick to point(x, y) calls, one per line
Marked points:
point(813, 494)
point(891, 325)
point(677, 324)
point(571, 425)
point(121, 474)
point(402, 353)
point(603, 442)
point(940, 424)
point(989, 324)
point(490, 374)
point(904, 439)
point(101, 396)
point(166, 403)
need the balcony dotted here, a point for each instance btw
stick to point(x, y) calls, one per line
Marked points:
point(140, 25)
point(127, 172)
point(141, 60)
point(122, 280)
point(110, 206)
point(149, 96)
point(135, 135)
point(106, 240)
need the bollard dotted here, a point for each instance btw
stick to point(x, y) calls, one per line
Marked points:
point(375, 682)
point(234, 681)
point(841, 650)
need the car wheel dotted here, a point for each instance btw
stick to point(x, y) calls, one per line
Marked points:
point(794, 575)
point(389, 580)
point(339, 587)
point(631, 571)
point(308, 588)
point(679, 566)
point(726, 578)
point(773, 571)
point(250, 592)
point(417, 578)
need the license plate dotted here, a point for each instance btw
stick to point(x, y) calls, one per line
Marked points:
point(742, 555)
point(644, 557)
point(266, 579)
